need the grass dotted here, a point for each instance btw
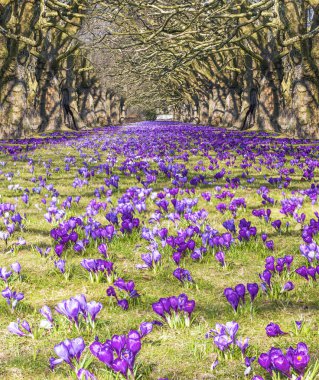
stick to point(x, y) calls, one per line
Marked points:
point(172, 353)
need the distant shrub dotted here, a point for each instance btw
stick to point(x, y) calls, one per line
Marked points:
point(150, 115)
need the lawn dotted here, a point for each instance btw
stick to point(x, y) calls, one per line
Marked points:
point(166, 190)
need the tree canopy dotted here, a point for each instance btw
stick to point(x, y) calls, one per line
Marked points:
point(213, 57)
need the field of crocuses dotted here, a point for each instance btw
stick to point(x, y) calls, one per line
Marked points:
point(159, 251)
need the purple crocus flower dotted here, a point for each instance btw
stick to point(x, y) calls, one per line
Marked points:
point(229, 225)
point(281, 364)
point(71, 309)
point(93, 309)
point(59, 248)
point(221, 207)
point(299, 357)
point(174, 306)
point(276, 224)
point(253, 290)
point(146, 328)
point(123, 304)
point(46, 312)
point(16, 267)
point(206, 195)
point(220, 257)
point(128, 287)
point(188, 307)
point(177, 257)
point(103, 249)
point(25, 198)
point(158, 308)
point(120, 365)
point(77, 307)
point(270, 245)
point(12, 297)
point(303, 272)
point(16, 328)
point(248, 363)
point(182, 275)
point(232, 297)
point(310, 251)
point(241, 290)
point(265, 361)
point(118, 353)
point(43, 253)
point(273, 330)
point(68, 351)
point(26, 326)
point(312, 272)
point(298, 324)
point(60, 265)
point(150, 260)
point(110, 291)
point(288, 286)
point(243, 345)
point(97, 266)
point(224, 337)
point(222, 341)
point(232, 328)
point(270, 263)
point(5, 274)
point(266, 276)
point(288, 260)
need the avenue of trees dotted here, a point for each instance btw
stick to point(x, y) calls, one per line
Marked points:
point(239, 63)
